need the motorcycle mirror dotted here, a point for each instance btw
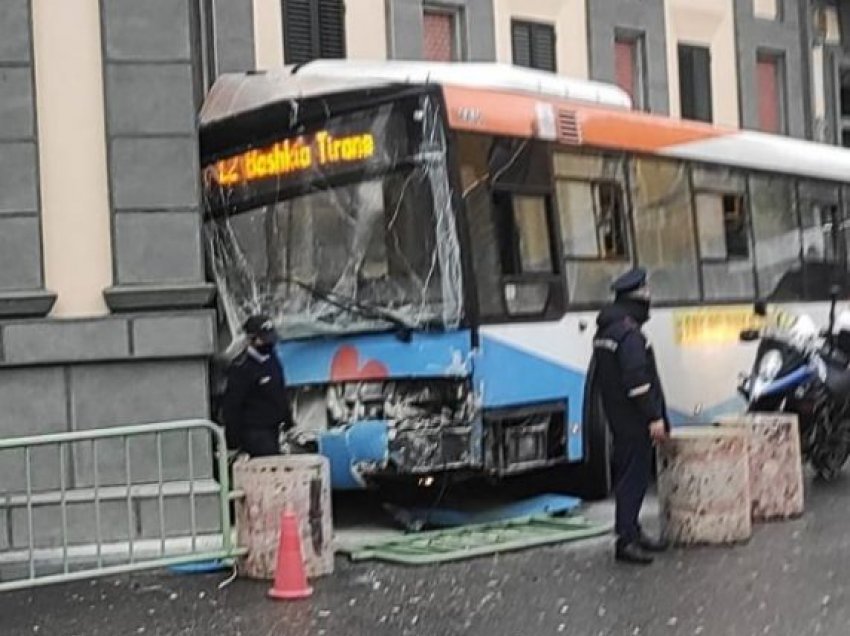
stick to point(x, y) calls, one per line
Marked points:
point(760, 308)
point(834, 292)
point(749, 335)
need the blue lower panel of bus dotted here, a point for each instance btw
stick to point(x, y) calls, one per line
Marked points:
point(507, 376)
point(352, 446)
point(376, 357)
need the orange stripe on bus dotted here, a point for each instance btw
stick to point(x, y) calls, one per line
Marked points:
point(515, 115)
point(639, 132)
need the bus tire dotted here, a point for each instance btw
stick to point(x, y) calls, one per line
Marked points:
point(595, 482)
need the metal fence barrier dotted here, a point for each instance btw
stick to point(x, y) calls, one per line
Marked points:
point(92, 503)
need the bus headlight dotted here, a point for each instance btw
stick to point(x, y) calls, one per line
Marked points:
point(770, 365)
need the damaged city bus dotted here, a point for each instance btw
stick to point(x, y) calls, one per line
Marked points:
point(433, 241)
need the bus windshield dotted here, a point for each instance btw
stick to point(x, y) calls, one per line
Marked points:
point(344, 228)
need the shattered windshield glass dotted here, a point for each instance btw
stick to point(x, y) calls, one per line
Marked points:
point(344, 229)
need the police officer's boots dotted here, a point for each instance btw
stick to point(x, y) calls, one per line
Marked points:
point(631, 552)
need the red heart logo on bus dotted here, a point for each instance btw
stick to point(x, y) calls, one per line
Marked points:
point(346, 366)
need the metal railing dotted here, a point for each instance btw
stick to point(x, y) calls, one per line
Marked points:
point(91, 476)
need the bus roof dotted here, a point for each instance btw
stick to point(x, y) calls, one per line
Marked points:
point(585, 125)
point(508, 100)
point(237, 93)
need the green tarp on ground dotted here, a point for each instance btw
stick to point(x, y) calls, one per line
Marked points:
point(465, 542)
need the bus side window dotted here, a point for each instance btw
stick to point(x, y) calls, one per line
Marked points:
point(777, 237)
point(724, 240)
point(664, 227)
point(591, 199)
point(523, 228)
point(514, 256)
point(823, 254)
point(528, 263)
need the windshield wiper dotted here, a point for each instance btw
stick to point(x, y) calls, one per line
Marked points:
point(375, 312)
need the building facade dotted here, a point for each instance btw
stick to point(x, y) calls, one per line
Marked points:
point(108, 312)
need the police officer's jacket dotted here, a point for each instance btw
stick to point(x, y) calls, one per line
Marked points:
point(625, 370)
point(255, 397)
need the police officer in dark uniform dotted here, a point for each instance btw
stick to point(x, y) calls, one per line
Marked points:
point(634, 404)
point(255, 405)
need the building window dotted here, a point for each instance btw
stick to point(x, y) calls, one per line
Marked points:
point(441, 35)
point(533, 45)
point(313, 29)
point(629, 68)
point(695, 82)
point(770, 76)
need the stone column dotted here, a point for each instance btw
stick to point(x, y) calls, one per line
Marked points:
point(703, 486)
point(22, 291)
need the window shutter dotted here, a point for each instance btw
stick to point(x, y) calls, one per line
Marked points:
point(298, 38)
point(438, 31)
point(521, 43)
point(767, 75)
point(533, 45)
point(331, 28)
point(624, 66)
point(543, 47)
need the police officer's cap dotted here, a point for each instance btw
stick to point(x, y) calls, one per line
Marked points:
point(258, 325)
point(629, 282)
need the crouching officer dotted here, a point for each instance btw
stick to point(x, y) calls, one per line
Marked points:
point(634, 404)
point(255, 405)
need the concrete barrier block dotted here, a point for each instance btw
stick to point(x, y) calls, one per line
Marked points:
point(703, 486)
point(776, 465)
point(300, 482)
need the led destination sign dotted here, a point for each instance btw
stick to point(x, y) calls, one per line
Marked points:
point(292, 156)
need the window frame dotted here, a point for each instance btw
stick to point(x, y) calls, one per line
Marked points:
point(694, 46)
point(837, 223)
point(626, 224)
point(532, 26)
point(716, 260)
point(556, 301)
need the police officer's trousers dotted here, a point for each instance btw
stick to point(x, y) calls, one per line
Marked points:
point(632, 467)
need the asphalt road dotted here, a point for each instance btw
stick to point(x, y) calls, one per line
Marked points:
point(791, 579)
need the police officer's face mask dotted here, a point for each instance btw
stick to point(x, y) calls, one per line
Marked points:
point(639, 302)
point(266, 342)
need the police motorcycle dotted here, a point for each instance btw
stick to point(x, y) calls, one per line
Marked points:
point(802, 370)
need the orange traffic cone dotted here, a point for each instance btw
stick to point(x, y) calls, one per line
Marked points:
point(290, 581)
